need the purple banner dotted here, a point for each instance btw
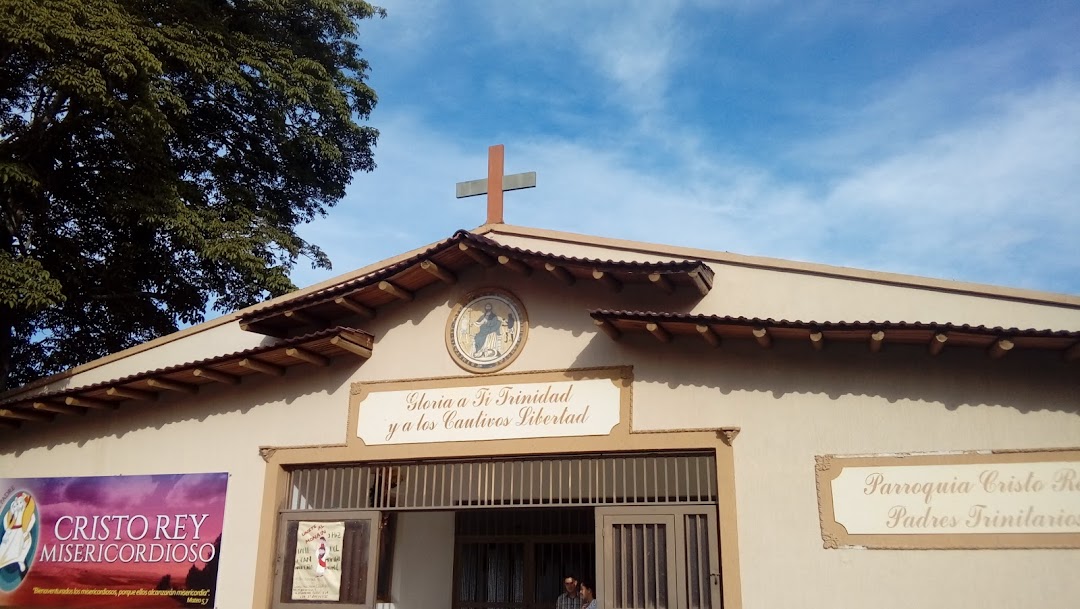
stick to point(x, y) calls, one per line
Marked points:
point(129, 542)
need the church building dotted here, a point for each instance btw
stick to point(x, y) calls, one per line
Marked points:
point(468, 424)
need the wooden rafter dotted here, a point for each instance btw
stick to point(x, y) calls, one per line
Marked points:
point(355, 307)
point(217, 376)
point(396, 291)
point(304, 318)
point(307, 356)
point(999, 348)
point(261, 366)
point(608, 328)
point(761, 335)
point(560, 273)
point(26, 415)
point(58, 408)
point(608, 280)
point(662, 282)
point(707, 333)
point(350, 346)
point(876, 340)
point(659, 332)
point(699, 282)
point(477, 255)
point(168, 385)
point(1072, 353)
point(438, 272)
point(515, 265)
point(91, 403)
point(937, 343)
point(131, 394)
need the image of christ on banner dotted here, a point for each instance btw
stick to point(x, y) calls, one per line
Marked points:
point(317, 568)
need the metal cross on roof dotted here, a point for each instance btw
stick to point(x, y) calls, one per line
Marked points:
point(495, 184)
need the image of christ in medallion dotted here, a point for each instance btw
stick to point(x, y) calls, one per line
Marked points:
point(487, 331)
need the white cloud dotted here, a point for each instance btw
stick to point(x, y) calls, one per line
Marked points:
point(945, 171)
point(632, 44)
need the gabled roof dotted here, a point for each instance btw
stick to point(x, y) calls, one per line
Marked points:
point(936, 337)
point(317, 349)
point(441, 263)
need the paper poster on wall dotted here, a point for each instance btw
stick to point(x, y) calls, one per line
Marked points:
point(111, 541)
point(317, 565)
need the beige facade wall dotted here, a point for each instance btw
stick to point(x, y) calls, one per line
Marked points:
point(790, 403)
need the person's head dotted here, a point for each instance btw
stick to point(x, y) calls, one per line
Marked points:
point(570, 584)
point(586, 590)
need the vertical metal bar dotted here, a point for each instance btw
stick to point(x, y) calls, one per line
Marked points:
point(388, 483)
point(686, 472)
point(656, 480)
point(343, 480)
point(667, 488)
point(614, 491)
point(625, 558)
point(658, 551)
point(378, 481)
point(531, 495)
point(551, 481)
point(510, 498)
point(453, 470)
point(481, 483)
point(309, 491)
point(627, 484)
point(294, 496)
point(376, 486)
point(638, 556)
point(714, 491)
point(579, 494)
point(485, 481)
point(327, 488)
point(601, 481)
point(491, 482)
point(347, 487)
point(443, 499)
point(697, 477)
point(472, 490)
point(365, 488)
point(335, 489)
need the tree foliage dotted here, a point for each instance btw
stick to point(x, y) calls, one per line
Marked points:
point(157, 157)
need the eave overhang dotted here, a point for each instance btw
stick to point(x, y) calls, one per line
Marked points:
point(444, 261)
point(315, 349)
point(713, 329)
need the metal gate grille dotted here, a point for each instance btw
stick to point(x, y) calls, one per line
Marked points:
point(641, 565)
point(625, 479)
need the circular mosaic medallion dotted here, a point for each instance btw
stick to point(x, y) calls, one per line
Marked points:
point(486, 330)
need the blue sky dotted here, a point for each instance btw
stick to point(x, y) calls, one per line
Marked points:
point(937, 138)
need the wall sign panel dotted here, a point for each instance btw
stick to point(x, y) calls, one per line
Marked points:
point(111, 541)
point(970, 500)
point(542, 405)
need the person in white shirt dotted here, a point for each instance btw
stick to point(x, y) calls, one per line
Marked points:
point(587, 593)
